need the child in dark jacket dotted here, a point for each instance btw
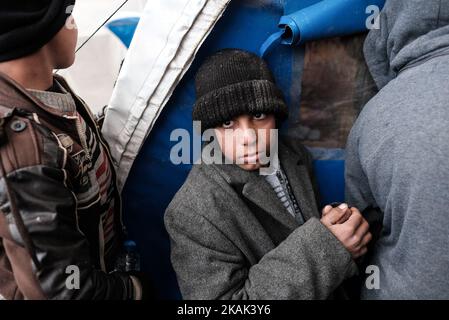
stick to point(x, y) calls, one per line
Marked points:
point(249, 228)
point(60, 210)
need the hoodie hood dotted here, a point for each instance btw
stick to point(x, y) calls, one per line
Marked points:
point(411, 31)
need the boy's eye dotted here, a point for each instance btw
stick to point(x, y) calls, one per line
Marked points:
point(228, 124)
point(260, 116)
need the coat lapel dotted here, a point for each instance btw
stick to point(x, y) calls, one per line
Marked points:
point(258, 191)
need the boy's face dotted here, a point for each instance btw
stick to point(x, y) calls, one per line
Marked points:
point(63, 45)
point(245, 138)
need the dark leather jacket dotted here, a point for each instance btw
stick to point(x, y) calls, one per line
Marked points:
point(46, 235)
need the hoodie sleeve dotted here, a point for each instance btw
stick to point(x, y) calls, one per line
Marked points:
point(358, 192)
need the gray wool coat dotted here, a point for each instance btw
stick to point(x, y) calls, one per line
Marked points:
point(231, 237)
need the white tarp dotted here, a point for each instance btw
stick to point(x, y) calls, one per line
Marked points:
point(96, 69)
point(167, 38)
point(98, 63)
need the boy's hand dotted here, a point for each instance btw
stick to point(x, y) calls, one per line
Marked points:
point(335, 215)
point(353, 233)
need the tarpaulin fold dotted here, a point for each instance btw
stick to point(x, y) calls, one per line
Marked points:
point(169, 34)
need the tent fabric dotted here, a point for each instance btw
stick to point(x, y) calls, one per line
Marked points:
point(94, 74)
point(97, 64)
point(166, 40)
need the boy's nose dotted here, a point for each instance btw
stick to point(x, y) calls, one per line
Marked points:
point(249, 136)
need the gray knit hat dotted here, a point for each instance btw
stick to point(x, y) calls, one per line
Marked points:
point(233, 82)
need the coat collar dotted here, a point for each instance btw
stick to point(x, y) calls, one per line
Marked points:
point(256, 189)
point(15, 96)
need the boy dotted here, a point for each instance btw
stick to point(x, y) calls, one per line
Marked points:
point(60, 219)
point(237, 234)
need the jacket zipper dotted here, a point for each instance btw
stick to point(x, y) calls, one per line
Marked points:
point(83, 138)
point(285, 188)
point(289, 194)
point(105, 147)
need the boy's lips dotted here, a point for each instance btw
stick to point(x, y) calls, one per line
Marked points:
point(250, 158)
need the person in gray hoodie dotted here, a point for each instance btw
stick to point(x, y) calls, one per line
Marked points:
point(398, 150)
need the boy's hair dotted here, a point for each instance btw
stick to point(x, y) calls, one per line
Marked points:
point(26, 26)
point(233, 82)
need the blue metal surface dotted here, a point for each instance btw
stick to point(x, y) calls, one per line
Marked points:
point(327, 18)
point(329, 168)
point(293, 6)
point(329, 175)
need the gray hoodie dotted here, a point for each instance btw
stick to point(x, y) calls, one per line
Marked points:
point(398, 150)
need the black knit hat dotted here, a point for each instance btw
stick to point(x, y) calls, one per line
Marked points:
point(233, 82)
point(27, 25)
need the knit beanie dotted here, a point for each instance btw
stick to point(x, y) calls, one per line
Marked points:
point(27, 25)
point(234, 82)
